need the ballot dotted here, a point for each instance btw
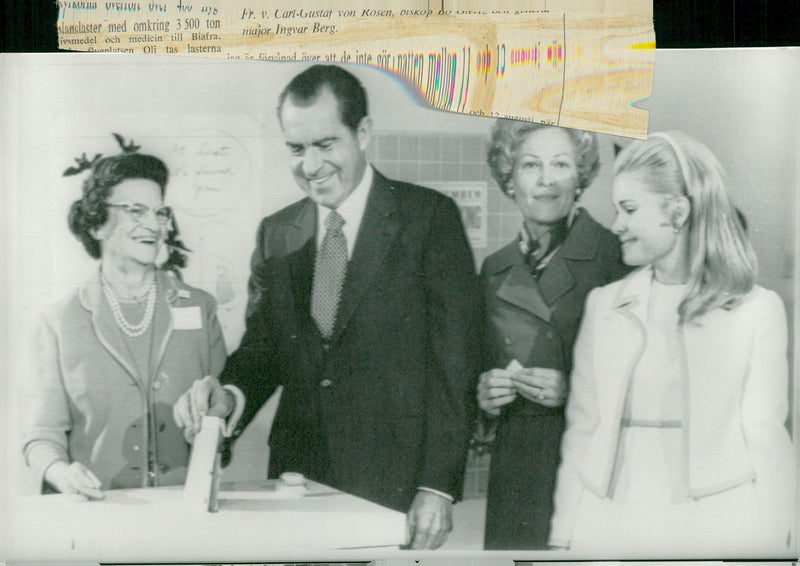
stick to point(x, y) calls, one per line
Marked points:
point(202, 480)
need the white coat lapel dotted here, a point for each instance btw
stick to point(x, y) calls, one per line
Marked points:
point(622, 338)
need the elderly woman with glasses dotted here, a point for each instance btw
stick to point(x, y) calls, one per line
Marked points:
point(112, 358)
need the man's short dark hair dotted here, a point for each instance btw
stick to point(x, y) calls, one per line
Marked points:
point(307, 86)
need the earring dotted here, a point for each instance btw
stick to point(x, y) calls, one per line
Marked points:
point(510, 192)
point(676, 222)
point(578, 193)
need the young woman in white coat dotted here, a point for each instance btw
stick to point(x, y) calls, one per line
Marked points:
point(676, 442)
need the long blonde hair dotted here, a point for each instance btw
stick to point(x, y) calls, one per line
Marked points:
point(722, 262)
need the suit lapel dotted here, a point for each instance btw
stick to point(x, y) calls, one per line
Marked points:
point(556, 280)
point(105, 327)
point(297, 256)
point(302, 228)
point(621, 339)
point(300, 235)
point(634, 295)
point(301, 274)
point(580, 245)
point(518, 289)
point(299, 253)
point(379, 227)
point(162, 318)
point(515, 284)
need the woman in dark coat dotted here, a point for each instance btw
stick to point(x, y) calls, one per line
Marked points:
point(534, 290)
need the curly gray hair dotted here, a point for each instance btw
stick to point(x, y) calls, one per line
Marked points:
point(508, 135)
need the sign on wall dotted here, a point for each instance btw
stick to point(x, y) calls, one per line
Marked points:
point(471, 200)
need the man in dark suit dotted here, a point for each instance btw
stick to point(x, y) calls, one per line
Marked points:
point(363, 305)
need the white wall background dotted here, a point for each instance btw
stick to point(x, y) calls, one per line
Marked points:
point(742, 104)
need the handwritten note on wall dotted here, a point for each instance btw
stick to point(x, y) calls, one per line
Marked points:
point(210, 173)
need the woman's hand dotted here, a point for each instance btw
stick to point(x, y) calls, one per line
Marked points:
point(74, 479)
point(495, 389)
point(545, 386)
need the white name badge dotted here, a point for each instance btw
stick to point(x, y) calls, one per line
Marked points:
point(186, 318)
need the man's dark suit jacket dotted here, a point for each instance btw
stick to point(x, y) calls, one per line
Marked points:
point(383, 407)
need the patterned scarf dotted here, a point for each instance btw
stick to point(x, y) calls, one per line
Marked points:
point(530, 247)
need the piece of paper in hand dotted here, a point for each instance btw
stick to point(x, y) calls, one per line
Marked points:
point(202, 481)
point(514, 366)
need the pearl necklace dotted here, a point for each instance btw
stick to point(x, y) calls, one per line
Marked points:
point(132, 330)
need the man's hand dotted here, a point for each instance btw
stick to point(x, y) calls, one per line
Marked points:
point(205, 397)
point(429, 521)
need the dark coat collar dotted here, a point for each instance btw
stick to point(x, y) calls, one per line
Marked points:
point(556, 280)
point(580, 244)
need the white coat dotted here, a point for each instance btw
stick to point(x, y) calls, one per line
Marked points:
point(735, 384)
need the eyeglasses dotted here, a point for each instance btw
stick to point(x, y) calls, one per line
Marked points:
point(138, 211)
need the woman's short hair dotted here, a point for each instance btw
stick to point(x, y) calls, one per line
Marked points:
point(89, 213)
point(508, 135)
point(723, 265)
